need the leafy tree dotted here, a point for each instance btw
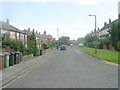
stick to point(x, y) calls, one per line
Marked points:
point(90, 39)
point(80, 40)
point(17, 45)
point(115, 34)
point(106, 41)
point(64, 40)
point(6, 40)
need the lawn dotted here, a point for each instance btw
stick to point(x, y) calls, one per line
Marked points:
point(111, 56)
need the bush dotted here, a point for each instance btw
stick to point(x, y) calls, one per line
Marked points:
point(100, 45)
point(118, 45)
point(45, 46)
point(36, 51)
point(91, 44)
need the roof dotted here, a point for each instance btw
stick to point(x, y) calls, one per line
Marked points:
point(27, 32)
point(6, 26)
point(109, 25)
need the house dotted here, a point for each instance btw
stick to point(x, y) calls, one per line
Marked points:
point(44, 37)
point(38, 40)
point(15, 33)
point(104, 32)
point(47, 38)
point(22, 35)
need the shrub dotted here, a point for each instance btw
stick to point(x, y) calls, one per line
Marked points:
point(118, 45)
point(36, 51)
point(91, 44)
point(45, 46)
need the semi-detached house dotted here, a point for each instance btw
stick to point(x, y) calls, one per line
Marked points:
point(104, 32)
point(15, 33)
point(22, 35)
point(40, 38)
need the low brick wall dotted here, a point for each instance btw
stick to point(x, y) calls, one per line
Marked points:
point(26, 57)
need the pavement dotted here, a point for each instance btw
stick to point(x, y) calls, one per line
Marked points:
point(7, 75)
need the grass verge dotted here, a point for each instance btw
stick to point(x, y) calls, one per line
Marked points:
point(111, 56)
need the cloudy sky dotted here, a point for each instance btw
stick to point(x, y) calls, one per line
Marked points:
point(69, 16)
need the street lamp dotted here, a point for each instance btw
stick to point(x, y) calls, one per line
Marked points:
point(95, 33)
point(58, 38)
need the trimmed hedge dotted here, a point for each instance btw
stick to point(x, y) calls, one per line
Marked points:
point(45, 46)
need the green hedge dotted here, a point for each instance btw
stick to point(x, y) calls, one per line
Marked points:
point(45, 46)
point(118, 45)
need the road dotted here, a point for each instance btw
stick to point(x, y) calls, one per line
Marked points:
point(69, 69)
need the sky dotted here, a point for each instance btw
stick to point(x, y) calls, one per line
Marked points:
point(69, 16)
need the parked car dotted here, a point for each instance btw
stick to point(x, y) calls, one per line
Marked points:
point(80, 45)
point(62, 47)
point(71, 45)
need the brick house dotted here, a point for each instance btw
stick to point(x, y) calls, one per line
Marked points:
point(22, 35)
point(38, 40)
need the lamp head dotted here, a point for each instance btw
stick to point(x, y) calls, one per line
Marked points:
point(90, 15)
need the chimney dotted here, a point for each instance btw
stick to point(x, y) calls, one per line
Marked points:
point(109, 20)
point(105, 24)
point(98, 29)
point(33, 30)
point(28, 29)
point(7, 21)
point(45, 32)
point(39, 33)
point(36, 32)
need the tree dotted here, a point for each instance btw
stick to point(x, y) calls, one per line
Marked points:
point(80, 40)
point(105, 41)
point(64, 40)
point(6, 40)
point(16, 45)
point(89, 40)
point(115, 34)
point(32, 44)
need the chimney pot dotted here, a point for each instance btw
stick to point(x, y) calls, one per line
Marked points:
point(28, 29)
point(109, 20)
point(7, 21)
point(33, 30)
point(36, 32)
point(105, 24)
point(45, 32)
point(98, 28)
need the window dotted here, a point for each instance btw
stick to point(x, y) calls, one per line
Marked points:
point(12, 34)
point(3, 31)
point(21, 36)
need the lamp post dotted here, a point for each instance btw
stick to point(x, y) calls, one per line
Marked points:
point(95, 33)
point(58, 38)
